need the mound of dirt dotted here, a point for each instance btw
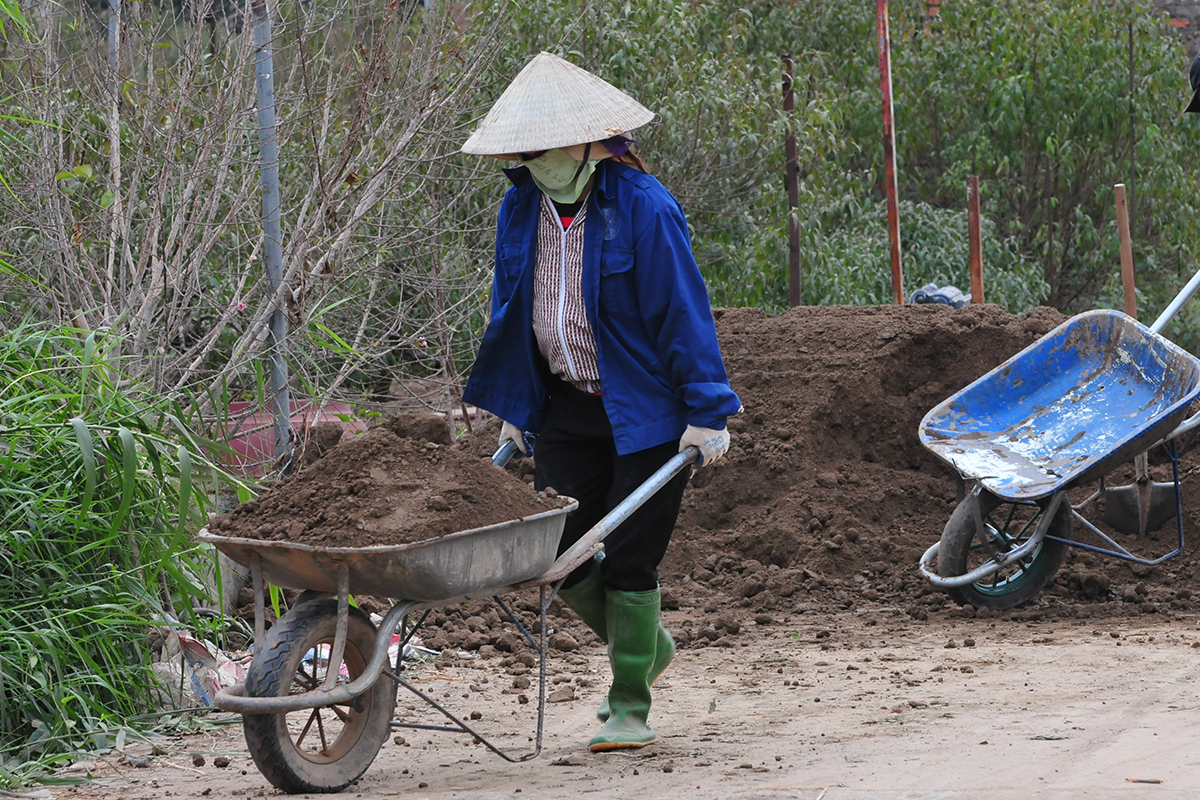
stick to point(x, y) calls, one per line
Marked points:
point(398, 483)
point(825, 501)
point(827, 498)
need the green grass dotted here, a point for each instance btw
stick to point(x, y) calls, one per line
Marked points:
point(100, 491)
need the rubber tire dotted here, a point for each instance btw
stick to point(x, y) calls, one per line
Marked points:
point(955, 549)
point(271, 674)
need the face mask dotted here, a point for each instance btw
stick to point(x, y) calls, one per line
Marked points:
point(559, 176)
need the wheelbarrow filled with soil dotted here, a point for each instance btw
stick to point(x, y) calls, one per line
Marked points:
point(319, 696)
point(1062, 414)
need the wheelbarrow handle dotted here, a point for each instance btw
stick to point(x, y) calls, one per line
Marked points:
point(506, 451)
point(589, 544)
point(1180, 299)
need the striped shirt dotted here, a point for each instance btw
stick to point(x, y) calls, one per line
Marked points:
point(560, 321)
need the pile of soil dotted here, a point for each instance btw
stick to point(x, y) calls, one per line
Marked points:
point(826, 499)
point(401, 482)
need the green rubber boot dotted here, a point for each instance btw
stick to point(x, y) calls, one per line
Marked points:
point(633, 623)
point(586, 599)
point(664, 651)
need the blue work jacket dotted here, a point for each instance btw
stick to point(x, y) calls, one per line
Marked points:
point(660, 365)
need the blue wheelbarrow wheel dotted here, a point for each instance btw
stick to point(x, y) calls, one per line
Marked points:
point(1008, 525)
point(318, 749)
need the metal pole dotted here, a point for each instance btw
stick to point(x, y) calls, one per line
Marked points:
point(975, 239)
point(793, 189)
point(889, 148)
point(272, 230)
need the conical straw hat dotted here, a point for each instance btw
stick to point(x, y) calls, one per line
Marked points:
point(553, 103)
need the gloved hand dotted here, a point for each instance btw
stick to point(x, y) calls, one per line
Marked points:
point(712, 443)
point(510, 431)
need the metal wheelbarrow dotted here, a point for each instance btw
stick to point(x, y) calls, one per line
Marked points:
point(1090, 395)
point(320, 694)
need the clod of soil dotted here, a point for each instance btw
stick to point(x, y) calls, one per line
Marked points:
point(397, 483)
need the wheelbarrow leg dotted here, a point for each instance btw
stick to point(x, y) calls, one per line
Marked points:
point(343, 623)
point(459, 726)
point(260, 608)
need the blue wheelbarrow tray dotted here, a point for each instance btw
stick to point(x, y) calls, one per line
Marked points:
point(1089, 395)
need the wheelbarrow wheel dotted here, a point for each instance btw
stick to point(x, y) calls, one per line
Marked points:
point(323, 749)
point(1008, 526)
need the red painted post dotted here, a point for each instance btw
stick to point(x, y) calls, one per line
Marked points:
point(975, 239)
point(792, 179)
point(889, 148)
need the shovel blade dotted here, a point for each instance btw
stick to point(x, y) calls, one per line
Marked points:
point(1139, 508)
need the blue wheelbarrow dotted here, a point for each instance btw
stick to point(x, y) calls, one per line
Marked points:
point(1096, 392)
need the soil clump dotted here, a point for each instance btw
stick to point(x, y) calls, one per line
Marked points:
point(401, 482)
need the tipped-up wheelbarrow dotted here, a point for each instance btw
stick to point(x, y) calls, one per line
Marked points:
point(1090, 395)
point(319, 696)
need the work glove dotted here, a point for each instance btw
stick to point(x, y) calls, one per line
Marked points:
point(712, 443)
point(510, 431)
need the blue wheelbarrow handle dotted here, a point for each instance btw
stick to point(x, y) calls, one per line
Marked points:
point(506, 451)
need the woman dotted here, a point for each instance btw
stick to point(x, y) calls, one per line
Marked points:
point(602, 342)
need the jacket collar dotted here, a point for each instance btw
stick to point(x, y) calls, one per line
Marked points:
point(520, 178)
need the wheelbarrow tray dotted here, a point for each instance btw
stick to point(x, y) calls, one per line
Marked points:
point(1089, 395)
point(466, 563)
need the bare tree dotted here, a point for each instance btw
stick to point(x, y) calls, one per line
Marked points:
point(136, 202)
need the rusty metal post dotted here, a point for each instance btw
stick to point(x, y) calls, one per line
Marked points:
point(889, 148)
point(1126, 251)
point(792, 178)
point(975, 239)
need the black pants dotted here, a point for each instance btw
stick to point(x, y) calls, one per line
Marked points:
point(576, 455)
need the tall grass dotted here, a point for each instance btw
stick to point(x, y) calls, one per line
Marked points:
point(100, 489)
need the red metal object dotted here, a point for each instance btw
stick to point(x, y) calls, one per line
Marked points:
point(889, 148)
point(792, 179)
point(975, 239)
point(253, 439)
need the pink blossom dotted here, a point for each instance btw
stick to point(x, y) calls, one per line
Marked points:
point(241, 306)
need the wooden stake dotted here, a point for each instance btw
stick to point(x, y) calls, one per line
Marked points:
point(1126, 251)
point(975, 239)
point(793, 189)
point(889, 148)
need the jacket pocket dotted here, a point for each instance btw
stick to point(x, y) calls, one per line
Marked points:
point(618, 292)
point(510, 261)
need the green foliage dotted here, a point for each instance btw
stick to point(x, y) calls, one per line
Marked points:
point(1032, 97)
point(11, 11)
point(99, 494)
point(851, 261)
point(1035, 99)
point(718, 142)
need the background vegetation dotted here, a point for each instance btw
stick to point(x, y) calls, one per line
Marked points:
point(130, 231)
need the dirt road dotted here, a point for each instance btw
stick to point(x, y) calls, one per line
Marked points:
point(866, 704)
